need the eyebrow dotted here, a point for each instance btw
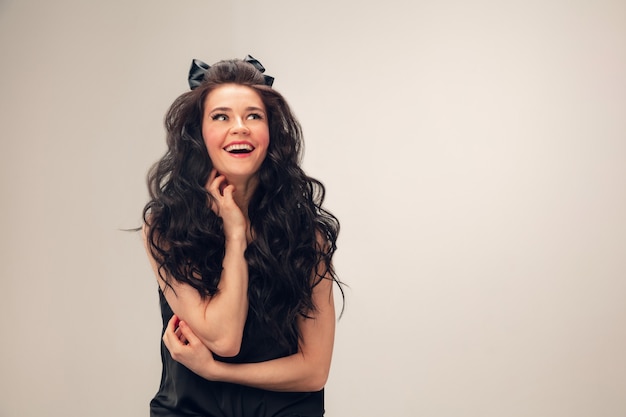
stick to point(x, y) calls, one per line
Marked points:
point(227, 109)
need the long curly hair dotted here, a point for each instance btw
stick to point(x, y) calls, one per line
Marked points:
point(294, 236)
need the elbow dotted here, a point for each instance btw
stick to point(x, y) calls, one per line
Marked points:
point(222, 342)
point(317, 380)
point(227, 351)
point(226, 347)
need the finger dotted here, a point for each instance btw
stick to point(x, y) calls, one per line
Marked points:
point(173, 345)
point(213, 187)
point(211, 180)
point(212, 176)
point(222, 184)
point(170, 338)
point(189, 335)
point(214, 203)
point(229, 189)
point(172, 324)
point(170, 332)
point(180, 336)
point(172, 329)
point(170, 341)
point(216, 186)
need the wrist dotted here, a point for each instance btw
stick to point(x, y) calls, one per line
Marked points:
point(216, 372)
point(234, 240)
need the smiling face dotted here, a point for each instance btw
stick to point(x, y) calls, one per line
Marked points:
point(235, 131)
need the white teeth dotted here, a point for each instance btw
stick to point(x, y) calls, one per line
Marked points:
point(238, 147)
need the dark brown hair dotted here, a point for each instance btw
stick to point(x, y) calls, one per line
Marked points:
point(285, 259)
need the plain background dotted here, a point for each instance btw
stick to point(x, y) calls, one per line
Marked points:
point(475, 152)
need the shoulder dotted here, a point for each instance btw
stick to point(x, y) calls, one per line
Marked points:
point(152, 241)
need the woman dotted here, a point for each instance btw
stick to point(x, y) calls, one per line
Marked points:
point(242, 250)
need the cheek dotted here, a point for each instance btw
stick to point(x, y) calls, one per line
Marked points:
point(212, 152)
point(210, 140)
point(265, 139)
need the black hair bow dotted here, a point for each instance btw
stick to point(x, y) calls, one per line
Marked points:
point(198, 70)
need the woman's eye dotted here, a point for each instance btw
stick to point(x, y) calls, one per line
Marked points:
point(219, 117)
point(255, 116)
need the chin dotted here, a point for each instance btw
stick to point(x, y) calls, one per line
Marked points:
point(240, 176)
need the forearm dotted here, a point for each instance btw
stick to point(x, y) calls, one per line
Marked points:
point(225, 313)
point(295, 373)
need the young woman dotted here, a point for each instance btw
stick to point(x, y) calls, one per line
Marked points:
point(242, 251)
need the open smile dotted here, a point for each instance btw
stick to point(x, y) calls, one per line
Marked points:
point(239, 148)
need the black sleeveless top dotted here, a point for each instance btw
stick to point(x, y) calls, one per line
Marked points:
point(183, 393)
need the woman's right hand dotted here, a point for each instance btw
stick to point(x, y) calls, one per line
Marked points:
point(224, 205)
point(187, 349)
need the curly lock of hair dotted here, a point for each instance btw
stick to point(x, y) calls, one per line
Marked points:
point(286, 259)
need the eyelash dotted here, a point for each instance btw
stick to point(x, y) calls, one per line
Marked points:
point(256, 116)
point(223, 117)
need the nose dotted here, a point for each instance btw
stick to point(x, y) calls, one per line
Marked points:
point(240, 127)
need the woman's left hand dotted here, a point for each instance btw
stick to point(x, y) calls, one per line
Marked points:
point(186, 348)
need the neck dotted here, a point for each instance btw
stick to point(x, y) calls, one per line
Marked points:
point(244, 189)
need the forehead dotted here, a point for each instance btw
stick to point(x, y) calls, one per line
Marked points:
point(233, 96)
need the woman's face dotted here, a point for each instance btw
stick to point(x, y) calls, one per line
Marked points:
point(235, 131)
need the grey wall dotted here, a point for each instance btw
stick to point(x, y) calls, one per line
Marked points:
point(475, 153)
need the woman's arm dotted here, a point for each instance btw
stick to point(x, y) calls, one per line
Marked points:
point(218, 321)
point(305, 371)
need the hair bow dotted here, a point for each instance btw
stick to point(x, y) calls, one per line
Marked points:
point(199, 69)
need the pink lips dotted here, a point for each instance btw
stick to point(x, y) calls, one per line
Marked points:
point(239, 149)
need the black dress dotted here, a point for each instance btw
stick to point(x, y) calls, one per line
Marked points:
point(183, 393)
